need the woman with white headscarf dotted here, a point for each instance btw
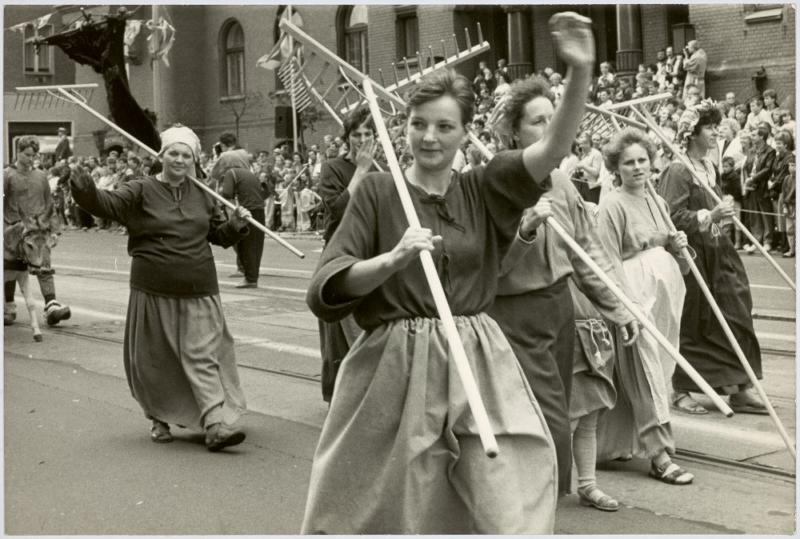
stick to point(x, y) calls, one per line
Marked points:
point(178, 352)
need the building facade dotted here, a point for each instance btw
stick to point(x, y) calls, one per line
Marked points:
point(213, 84)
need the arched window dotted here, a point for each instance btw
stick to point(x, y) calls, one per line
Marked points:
point(233, 54)
point(352, 29)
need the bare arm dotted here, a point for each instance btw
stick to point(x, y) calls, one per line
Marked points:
point(575, 45)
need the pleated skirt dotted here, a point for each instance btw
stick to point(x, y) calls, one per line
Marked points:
point(400, 452)
point(179, 360)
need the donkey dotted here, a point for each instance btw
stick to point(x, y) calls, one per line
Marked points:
point(26, 249)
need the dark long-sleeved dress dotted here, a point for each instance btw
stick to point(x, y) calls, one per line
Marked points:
point(399, 451)
point(703, 342)
point(178, 352)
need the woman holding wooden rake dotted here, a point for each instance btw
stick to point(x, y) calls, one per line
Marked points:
point(644, 253)
point(703, 341)
point(399, 451)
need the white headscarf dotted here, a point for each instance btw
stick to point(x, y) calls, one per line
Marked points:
point(182, 134)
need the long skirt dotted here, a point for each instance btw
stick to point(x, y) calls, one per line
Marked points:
point(400, 452)
point(703, 342)
point(639, 423)
point(540, 326)
point(179, 360)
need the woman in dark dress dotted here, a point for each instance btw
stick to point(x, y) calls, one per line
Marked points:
point(694, 211)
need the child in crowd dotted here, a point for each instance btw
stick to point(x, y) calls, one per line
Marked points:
point(308, 200)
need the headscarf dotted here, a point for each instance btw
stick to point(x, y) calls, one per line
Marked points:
point(182, 134)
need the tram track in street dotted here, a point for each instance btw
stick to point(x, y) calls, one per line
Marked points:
point(683, 454)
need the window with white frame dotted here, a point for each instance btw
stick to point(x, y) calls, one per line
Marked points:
point(37, 61)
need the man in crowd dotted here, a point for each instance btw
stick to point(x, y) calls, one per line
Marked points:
point(229, 143)
point(695, 62)
point(62, 151)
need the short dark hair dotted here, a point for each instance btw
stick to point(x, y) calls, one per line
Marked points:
point(728, 160)
point(28, 141)
point(621, 140)
point(785, 137)
point(228, 139)
point(769, 92)
point(441, 83)
point(763, 131)
point(356, 119)
point(522, 92)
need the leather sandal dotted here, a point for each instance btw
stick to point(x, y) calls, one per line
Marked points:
point(159, 432)
point(592, 496)
point(685, 403)
point(670, 473)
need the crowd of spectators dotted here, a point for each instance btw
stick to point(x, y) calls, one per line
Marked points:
point(756, 175)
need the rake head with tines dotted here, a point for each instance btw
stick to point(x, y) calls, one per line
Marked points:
point(48, 97)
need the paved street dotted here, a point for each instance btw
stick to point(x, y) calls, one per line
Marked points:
point(79, 460)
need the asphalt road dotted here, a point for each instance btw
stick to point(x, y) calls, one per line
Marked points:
point(79, 461)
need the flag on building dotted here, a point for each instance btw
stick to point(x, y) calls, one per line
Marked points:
point(289, 72)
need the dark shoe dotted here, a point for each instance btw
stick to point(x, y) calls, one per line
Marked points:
point(684, 402)
point(55, 312)
point(247, 284)
point(670, 473)
point(592, 496)
point(9, 313)
point(746, 402)
point(159, 432)
point(220, 436)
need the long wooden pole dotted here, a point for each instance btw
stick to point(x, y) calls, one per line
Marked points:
point(645, 117)
point(200, 184)
point(724, 324)
point(634, 310)
point(457, 351)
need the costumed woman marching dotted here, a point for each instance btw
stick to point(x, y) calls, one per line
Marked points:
point(703, 342)
point(338, 181)
point(178, 352)
point(534, 273)
point(644, 252)
point(399, 451)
